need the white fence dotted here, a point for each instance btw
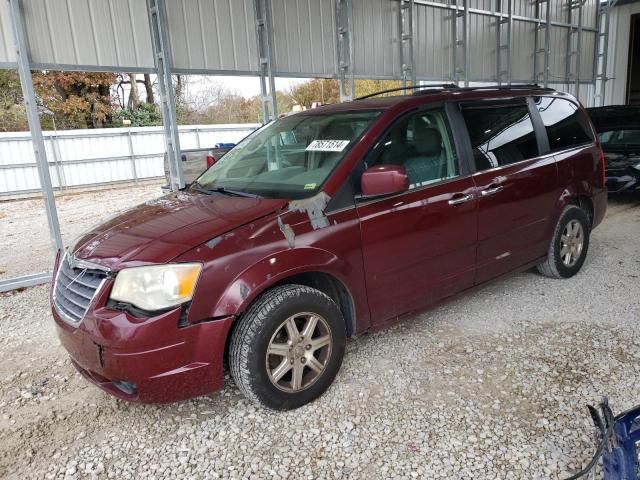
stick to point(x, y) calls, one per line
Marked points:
point(99, 156)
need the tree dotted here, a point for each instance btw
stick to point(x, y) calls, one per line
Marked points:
point(77, 99)
point(317, 90)
point(12, 114)
point(327, 91)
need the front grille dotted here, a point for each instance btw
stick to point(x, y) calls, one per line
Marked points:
point(74, 290)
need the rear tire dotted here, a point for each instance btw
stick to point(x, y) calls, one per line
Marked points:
point(287, 347)
point(569, 245)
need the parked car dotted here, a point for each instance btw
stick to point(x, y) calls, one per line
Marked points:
point(195, 161)
point(618, 127)
point(324, 225)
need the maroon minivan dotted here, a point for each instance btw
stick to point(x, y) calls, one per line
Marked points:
point(324, 225)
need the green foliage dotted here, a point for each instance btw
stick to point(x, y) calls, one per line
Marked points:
point(13, 117)
point(146, 115)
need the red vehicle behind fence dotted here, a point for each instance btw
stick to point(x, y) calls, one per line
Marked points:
point(324, 225)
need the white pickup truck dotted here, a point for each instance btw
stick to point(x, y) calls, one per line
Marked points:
point(196, 161)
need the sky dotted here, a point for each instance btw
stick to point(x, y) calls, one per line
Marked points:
point(244, 86)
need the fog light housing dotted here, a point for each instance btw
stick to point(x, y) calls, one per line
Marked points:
point(125, 387)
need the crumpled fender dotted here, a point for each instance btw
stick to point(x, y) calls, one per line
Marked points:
point(270, 270)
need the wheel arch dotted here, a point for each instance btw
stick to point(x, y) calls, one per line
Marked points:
point(307, 266)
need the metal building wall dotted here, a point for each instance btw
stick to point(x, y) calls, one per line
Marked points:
point(219, 37)
point(213, 36)
point(82, 34)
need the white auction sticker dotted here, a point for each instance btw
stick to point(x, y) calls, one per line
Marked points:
point(327, 145)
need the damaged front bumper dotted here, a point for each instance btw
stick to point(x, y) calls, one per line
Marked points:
point(147, 360)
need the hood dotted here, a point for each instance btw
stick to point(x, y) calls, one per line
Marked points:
point(159, 230)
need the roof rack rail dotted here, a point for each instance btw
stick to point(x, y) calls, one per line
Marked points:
point(425, 89)
point(410, 87)
point(515, 86)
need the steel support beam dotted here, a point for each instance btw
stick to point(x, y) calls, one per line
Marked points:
point(24, 71)
point(344, 48)
point(264, 39)
point(465, 46)
point(164, 63)
point(405, 31)
point(25, 281)
point(503, 48)
point(547, 42)
point(579, 50)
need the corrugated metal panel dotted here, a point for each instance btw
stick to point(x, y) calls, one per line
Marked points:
point(85, 157)
point(375, 37)
point(213, 35)
point(587, 49)
point(7, 48)
point(482, 47)
point(522, 51)
point(558, 58)
point(89, 33)
point(432, 42)
point(304, 36)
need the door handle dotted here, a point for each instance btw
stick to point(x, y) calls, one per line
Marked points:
point(492, 189)
point(461, 200)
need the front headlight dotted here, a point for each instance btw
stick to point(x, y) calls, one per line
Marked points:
point(156, 287)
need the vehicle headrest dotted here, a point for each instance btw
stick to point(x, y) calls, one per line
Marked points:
point(337, 131)
point(427, 140)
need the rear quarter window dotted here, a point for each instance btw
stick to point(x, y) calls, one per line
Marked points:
point(501, 132)
point(566, 125)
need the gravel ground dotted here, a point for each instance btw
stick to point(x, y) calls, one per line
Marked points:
point(492, 385)
point(26, 221)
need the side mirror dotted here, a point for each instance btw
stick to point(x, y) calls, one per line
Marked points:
point(384, 180)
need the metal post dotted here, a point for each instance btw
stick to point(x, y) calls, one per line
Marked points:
point(162, 53)
point(24, 71)
point(264, 39)
point(499, 43)
point(578, 49)
point(465, 46)
point(454, 41)
point(405, 32)
point(605, 52)
point(567, 68)
point(509, 38)
point(344, 48)
point(536, 48)
point(134, 169)
point(352, 83)
point(547, 42)
point(503, 48)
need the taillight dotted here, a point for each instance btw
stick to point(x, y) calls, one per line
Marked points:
point(210, 160)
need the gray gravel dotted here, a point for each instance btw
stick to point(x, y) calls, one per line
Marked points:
point(24, 222)
point(493, 385)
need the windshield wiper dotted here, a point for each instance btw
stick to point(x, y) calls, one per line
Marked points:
point(225, 191)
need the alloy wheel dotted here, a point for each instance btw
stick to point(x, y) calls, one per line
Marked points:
point(298, 352)
point(571, 243)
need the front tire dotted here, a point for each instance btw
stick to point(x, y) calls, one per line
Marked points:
point(569, 245)
point(287, 347)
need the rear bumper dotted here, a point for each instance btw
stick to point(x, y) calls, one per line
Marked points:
point(150, 360)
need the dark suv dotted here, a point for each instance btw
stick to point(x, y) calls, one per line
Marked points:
point(324, 225)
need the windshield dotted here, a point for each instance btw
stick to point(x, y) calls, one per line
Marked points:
point(288, 158)
point(620, 138)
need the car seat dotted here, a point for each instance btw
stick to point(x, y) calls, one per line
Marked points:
point(426, 164)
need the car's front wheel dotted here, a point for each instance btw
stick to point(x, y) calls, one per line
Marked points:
point(288, 347)
point(569, 245)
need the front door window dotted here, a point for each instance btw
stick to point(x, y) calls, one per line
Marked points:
point(422, 144)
